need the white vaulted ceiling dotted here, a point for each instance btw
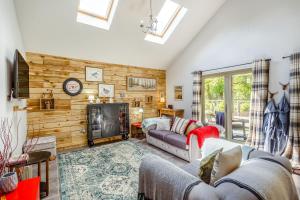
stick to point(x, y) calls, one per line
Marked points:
point(50, 27)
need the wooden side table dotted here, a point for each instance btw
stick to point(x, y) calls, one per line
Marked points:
point(38, 158)
point(27, 190)
point(136, 130)
point(171, 112)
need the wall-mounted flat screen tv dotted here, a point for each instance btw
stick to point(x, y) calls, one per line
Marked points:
point(21, 77)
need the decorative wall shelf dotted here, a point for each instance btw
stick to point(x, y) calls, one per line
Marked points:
point(148, 99)
point(136, 103)
point(47, 104)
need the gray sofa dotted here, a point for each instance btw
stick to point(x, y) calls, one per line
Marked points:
point(261, 178)
point(173, 143)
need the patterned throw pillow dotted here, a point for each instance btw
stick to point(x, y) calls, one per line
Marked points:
point(199, 124)
point(206, 166)
point(179, 125)
point(191, 127)
point(225, 163)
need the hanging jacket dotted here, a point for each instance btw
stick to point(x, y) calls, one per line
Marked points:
point(283, 128)
point(270, 126)
point(220, 118)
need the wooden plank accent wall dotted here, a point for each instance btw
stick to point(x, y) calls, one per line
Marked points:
point(68, 121)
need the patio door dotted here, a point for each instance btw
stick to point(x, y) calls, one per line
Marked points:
point(226, 100)
point(214, 101)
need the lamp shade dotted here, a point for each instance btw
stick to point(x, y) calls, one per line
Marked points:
point(141, 110)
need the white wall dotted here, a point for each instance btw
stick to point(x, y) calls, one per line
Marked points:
point(240, 32)
point(10, 39)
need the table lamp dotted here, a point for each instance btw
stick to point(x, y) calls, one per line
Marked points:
point(141, 110)
point(162, 98)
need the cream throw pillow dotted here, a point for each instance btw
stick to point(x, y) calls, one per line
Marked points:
point(206, 166)
point(163, 124)
point(225, 163)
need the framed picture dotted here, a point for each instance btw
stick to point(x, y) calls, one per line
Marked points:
point(106, 90)
point(178, 90)
point(93, 74)
point(141, 84)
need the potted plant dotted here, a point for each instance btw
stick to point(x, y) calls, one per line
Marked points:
point(8, 180)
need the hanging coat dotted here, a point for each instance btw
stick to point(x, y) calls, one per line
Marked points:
point(270, 126)
point(283, 128)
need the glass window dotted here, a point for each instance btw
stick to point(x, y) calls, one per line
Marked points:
point(98, 13)
point(168, 18)
point(227, 99)
point(214, 100)
point(241, 95)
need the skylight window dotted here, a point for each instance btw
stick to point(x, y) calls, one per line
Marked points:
point(168, 18)
point(98, 13)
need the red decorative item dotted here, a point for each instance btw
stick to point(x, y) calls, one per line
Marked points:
point(27, 190)
point(137, 124)
point(203, 133)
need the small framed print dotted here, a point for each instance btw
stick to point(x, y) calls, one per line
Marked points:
point(106, 90)
point(72, 86)
point(178, 91)
point(93, 74)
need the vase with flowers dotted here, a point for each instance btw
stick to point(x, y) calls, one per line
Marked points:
point(8, 180)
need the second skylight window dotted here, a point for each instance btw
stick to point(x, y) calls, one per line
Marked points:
point(98, 13)
point(168, 18)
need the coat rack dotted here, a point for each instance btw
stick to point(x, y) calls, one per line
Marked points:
point(272, 94)
point(284, 86)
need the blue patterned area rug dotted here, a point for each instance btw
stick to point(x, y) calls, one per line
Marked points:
point(107, 172)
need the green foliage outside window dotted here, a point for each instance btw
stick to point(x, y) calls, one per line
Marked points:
point(241, 93)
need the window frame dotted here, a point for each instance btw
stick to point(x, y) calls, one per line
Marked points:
point(170, 22)
point(227, 98)
point(175, 19)
point(105, 18)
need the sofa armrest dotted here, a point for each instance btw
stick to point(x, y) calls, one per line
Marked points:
point(160, 179)
point(259, 153)
point(203, 191)
point(147, 129)
point(212, 144)
point(194, 150)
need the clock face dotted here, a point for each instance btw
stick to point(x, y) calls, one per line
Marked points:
point(72, 86)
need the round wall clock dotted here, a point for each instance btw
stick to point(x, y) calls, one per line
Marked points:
point(72, 86)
